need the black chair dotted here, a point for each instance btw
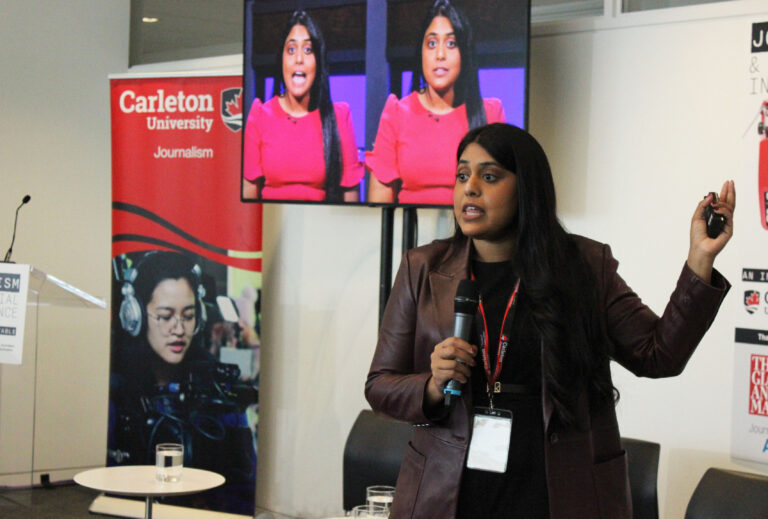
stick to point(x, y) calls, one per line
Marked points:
point(376, 445)
point(643, 461)
point(372, 455)
point(728, 493)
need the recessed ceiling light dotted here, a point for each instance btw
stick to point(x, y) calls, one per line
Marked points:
point(149, 19)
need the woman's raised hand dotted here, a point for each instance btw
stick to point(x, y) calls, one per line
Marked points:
point(452, 358)
point(703, 249)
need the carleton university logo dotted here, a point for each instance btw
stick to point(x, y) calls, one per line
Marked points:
point(232, 108)
point(751, 301)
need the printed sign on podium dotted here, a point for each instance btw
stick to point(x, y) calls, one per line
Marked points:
point(14, 282)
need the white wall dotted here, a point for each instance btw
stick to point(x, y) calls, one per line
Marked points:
point(55, 146)
point(638, 114)
point(321, 274)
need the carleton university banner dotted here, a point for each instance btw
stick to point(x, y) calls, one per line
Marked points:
point(186, 289)
point(750, 389)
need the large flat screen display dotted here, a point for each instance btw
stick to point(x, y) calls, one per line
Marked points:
point(353, 102)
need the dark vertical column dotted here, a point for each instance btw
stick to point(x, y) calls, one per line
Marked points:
point(376, 91)
point(136, 41)
point(385, 268)
point(249, 75)
point(410, 228)
point(376, 67)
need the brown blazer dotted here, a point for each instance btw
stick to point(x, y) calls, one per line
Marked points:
point(586, 466)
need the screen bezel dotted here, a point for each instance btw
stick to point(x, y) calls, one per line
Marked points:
point(490, 53)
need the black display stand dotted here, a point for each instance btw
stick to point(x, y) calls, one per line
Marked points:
point(385, 263)
point(410, 236)
point(410, 228)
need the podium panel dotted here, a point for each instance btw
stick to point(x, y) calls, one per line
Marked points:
point(17, 410)
point(49, 410)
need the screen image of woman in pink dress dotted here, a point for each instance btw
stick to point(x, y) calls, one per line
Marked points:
point(411, 161)
point(300, 145)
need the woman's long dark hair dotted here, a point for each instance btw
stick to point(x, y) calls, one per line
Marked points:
point(467, 88)
point(319, 97)
point(135, 356)
point(559, 283)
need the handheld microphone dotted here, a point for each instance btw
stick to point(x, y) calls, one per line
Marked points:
point(464, 309)
point(7, 258)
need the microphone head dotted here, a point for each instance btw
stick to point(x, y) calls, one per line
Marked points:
point(26, 199)
point(467, 297)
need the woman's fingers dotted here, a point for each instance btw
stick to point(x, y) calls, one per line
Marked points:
point(726, 206)
point(455, 348)
point(454, 370)
point(453, 358)
point(728, 194)
point(703, 249)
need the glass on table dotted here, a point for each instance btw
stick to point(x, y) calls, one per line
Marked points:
point(169, 461)
point(381, 495)
point(370, 511)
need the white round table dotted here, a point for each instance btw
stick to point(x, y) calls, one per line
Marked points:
point(139, 480)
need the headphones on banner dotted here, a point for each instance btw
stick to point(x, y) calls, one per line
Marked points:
point(132, 309)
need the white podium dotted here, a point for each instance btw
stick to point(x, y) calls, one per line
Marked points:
point(41, 400)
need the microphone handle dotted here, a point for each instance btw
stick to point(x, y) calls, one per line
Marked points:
point(462, 327)
point(7, 258)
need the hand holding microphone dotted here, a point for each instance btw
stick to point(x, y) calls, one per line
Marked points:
point(453, 358)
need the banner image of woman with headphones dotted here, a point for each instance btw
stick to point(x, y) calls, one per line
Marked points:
point(168, 382)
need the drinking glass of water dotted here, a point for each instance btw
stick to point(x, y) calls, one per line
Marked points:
point(169, 460)
point(370, 511)
point(380, 495)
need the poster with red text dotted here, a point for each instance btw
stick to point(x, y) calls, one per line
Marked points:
point(186, 273)
point(749, 433)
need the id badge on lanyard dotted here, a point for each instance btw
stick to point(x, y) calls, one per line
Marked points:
point(489, 448)
point(492, 427)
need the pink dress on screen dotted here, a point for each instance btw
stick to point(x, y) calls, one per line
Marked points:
point(418, 147)
point(288, 151)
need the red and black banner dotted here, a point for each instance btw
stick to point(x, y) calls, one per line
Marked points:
point(186, 283)
point(175, 169)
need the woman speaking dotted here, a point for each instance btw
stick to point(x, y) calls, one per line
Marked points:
point(299, 145)
point(412, 159)
point(553, 312)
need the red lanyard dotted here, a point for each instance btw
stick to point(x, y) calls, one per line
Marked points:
point(503, 339)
